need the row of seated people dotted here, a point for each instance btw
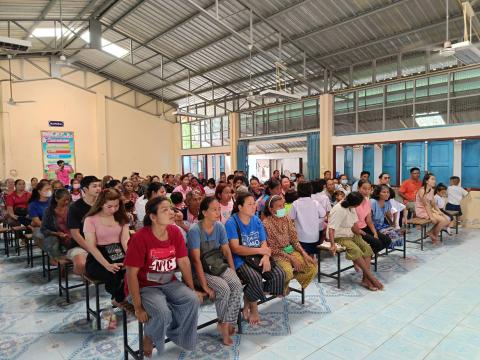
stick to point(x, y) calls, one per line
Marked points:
point(266, 256)
point(99, 228)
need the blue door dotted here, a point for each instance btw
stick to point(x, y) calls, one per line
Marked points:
point(369, 160)
point(413, 155)
point(471, 164)
point(348, 163)
point(389, 162)
point(440, 160)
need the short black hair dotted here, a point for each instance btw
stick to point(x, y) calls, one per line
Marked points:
point(290, 196)
point(414, 169)
point(381, 174)
point(237, 178)
point(440, 187)
point(454, 178)
point(304, 189)
point(89, 179)
point(59, 162)
point(378, 189)
point(176, 198)
point(365, 172)
point(353, 199)
point(211, 181)
point(153, 187)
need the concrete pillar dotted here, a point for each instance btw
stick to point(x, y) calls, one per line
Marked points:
point(234, 121)
point(101, 133)
point(326, 133)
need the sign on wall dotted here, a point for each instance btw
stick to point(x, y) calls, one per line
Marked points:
point(57, 145)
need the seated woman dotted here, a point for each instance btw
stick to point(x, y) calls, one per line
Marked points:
point(382, 214)
point(38, 203)
point(282, 239)
point(376, 239)
point(309, 217)
point(251, 256)
point(213, 265)
point(165, 305)
point(272, 187)
point(75, 191)
point(17, 204)
point(56, 235)
point(425, 208)
point(224, 195)
point(342, 229)
point(106, 234)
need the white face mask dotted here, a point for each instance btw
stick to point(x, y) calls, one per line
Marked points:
point(344, 182)
point(76, 186)
point(48, 193)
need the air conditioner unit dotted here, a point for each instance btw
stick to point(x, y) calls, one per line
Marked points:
point(11, 44)
point(466, 52)
point(279, 94)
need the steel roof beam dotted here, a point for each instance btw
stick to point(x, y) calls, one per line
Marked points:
point(42, 16)
point(200, 48)
point(292, 39)
point(246, 40)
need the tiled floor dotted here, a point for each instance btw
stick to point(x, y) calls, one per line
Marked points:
point(429, 310)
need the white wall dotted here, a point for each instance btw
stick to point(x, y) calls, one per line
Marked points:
point(378, 162)
point(357, 162)
point(290, 161)
point(339, 160)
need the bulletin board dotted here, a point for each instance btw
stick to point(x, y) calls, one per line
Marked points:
point(57, 145)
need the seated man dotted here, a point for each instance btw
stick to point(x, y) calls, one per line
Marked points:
point(76, 252)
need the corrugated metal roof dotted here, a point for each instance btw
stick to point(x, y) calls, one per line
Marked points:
point(334, 33)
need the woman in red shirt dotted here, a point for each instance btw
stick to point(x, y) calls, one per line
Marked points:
point(167, 306)
point(17, 204)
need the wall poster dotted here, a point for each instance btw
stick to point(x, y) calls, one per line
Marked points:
point(57, 145)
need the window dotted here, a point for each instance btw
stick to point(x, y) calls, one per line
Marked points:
point(310, 114)
point(261, 122)
point(275, 119)
point(246, 124)
point(205, 133)
point(293, 116)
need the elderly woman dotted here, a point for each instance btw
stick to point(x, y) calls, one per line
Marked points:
point(282, 239)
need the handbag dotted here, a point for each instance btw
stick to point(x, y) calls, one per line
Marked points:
point(113, 253)
point(212, 259)
point(252, 260)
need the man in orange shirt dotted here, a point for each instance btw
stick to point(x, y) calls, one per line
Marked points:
point(408, 189)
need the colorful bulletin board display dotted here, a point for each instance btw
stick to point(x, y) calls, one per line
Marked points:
point(57, 145)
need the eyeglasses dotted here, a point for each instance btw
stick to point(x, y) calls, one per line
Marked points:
point(386, 177)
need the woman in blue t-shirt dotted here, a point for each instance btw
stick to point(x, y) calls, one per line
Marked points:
point(39, 202)
point(251, 256)
point(218, 279)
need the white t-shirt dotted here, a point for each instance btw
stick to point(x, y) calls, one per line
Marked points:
point(209, 192)
point(309, 216)
point(323, 200)
point(140, 211)
point(456, 194)
point(440, 202)
point(341, 220)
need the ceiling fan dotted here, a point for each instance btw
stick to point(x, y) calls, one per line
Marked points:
point(11, 101)
point(465, 50)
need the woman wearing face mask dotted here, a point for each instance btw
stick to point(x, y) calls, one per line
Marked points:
point(425, 208)
point(106, 235)
point(282, 239)
point(38, 203)
point(75, 191)
point(343, 185)
point(273, 187)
